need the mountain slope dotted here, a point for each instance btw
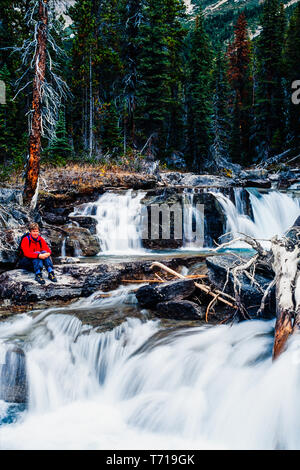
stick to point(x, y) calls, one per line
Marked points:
point(221, 15)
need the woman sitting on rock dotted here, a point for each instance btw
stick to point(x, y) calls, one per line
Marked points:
point(35, 253)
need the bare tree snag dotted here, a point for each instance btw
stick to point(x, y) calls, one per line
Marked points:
point(296, 327)
point(285, 263)
point(33, 165)
point(283, 259)
point(283, 329)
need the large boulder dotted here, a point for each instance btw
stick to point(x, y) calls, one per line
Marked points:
point(85, 221)
point(8, 196)
point(78, 241)
point(171, 177)
point(209, 181)
point(80, 280)
point(180, 310)
point(250, 294)
point(151, 295)
point(214, 218)
point(13, 381)
point(18, 288)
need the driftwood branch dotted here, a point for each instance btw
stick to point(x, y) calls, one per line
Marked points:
point(202, 287)
point(282, 258)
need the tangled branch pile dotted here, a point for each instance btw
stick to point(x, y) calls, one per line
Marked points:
point(282, 259)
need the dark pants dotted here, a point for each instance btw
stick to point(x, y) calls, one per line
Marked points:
point(35, 265)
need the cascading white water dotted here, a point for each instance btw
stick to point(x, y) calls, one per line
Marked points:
point(202, 387)
point(273, 214)
point(118, 216)
point(192, 218)
point(63, 248)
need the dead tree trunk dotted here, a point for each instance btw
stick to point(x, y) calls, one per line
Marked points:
point(91, 107)
point(33, 165)
point(283, 257)
point(285, 263)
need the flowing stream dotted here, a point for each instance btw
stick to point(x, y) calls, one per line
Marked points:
point(273, 214)
point(142, 386)
point(103, 374)
point(120, 219)
point(118, 216)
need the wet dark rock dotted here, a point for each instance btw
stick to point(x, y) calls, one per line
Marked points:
point(54, 237)
point(180, 310)
point(214, 218)
point(257, 183)
point(149, 296)
point(193, 180)
point(210, 181)
point(78, 240)
point(55, 218)
point(85, 222)
point(297, 222)
point(8, 196)
point(254, 173)
point(19, 288)
point(250, 295)
point(171, 177)
point(74, 281)
point(9, 242)
point(161, 244)
point(13, 381)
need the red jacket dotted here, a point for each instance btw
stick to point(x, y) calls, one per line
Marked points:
point(36, 245)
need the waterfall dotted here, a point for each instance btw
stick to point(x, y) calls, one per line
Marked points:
point(192, 218)
point(77, 249)
point(273, 214)
point(63, 248)
point(118, 216)
point(141, 386)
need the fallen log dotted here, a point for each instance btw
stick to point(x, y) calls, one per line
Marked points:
point(137, 281)
point(202, 287)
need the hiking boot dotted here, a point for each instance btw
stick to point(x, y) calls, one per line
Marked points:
point(39, 279)
point(51, 277)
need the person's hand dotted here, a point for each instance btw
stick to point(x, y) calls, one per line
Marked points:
point(44, 255)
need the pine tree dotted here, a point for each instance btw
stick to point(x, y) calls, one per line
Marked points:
point(270, 118)
point(130, 19)
point(8, 137)
point(292, 73)
point(60, 150)
point(13, 125)
point(240, 78)
point(220, 118)
point(83, 52)
point(176, 32)
point(198, 96)
point(153, 90)
point(97, 71)
point(111, 141)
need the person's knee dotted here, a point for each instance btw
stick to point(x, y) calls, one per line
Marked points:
point(48, 263)
point(37, 264)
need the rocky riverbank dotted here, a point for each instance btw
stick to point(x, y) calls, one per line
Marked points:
point(19, 291)
point(61, 190)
